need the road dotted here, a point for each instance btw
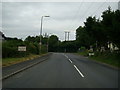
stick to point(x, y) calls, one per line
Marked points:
point(65, 70)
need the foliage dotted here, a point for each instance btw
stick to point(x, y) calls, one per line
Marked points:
point(98, 33)
point(10, 46)
point(111, 22)
point(82, 37)
point(53, 43)
point(108, 58)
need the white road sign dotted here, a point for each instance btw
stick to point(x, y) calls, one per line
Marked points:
point(21, 48)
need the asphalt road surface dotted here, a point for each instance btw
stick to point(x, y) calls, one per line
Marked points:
point(65, 70)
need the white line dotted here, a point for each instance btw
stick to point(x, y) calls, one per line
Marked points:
point(66, 56)
point(78, 71)
point(70, 60)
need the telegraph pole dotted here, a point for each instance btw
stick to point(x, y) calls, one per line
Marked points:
point(68, 35)
point(65, 35)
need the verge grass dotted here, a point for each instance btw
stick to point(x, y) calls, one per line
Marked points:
point(10, 61)
point(112, 59)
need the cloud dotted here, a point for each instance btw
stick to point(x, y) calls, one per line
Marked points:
point(21, 19)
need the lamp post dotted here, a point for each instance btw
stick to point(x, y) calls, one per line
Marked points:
point(41, 32)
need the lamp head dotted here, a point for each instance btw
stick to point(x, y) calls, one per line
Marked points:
point(46, 16)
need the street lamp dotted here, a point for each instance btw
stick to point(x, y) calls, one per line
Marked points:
point(41, 31)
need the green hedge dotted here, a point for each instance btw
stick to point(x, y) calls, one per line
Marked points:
point(10, 48)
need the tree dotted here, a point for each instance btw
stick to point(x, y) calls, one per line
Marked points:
point(89, 28)
point(10, 47)
point(53, 43)
point(99, 32)
point(82, 37)
point(111, 22)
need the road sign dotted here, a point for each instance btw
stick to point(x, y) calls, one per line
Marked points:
point(21, 48)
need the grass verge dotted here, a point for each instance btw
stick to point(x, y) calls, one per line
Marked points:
point(112, 59)
point(83, 53)
point(10, 61)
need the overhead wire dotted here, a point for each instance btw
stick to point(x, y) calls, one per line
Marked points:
point(90, 6)
point(70, 24)
point(77, 14)
point(78, 11)
point(84, 13)
point(98, 9)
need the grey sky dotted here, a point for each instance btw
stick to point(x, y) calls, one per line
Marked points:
point(21, 19)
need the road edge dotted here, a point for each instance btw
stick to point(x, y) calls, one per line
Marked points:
point(105, 64)
point(102, 63)
point(26, 60)
point(24, 68)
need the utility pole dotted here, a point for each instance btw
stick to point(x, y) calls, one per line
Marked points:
point(68, 35)
point(65, 35)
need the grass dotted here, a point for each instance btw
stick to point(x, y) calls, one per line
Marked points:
point(83, 53)
point(108, 60)
point(112, 59)
point(10, 61)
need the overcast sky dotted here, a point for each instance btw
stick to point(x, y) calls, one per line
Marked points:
point(21, 19)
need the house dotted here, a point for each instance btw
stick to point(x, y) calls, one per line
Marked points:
point(2, 36)
point(112, 47)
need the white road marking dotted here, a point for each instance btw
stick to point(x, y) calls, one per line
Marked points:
point(78, 71)
point(74, 66)
point(66, 56)
point(70, 61)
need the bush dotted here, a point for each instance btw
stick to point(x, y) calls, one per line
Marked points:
point(10, 48)
point(44, 49)
point(9, 51)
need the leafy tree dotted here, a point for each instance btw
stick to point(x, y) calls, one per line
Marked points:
point(10, 47)
point(53, 43)
point(111, 24)
point(82, 37)
point(99, 32)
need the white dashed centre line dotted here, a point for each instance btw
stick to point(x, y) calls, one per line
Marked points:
point(66, 56)
point(70, 61)
point(78, 71)
point(74, 66)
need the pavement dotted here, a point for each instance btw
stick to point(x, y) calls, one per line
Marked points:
point(64, 70)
